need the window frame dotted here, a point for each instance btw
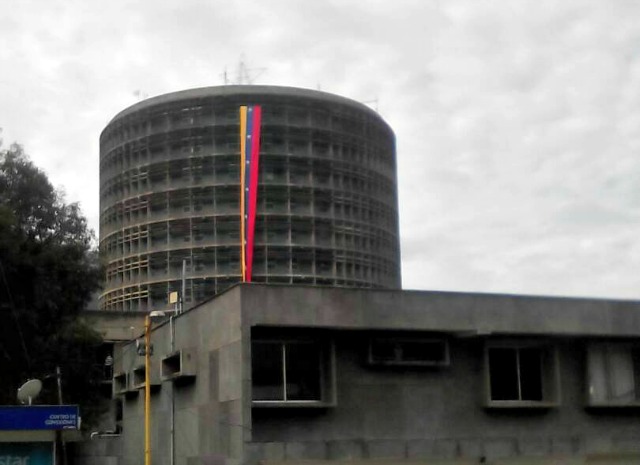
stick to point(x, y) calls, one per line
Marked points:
point(400, 361)
point(550, 374)
point(630, 347)
point(327, 373)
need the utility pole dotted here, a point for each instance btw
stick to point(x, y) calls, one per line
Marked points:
point(62, 441)
point(147, 390)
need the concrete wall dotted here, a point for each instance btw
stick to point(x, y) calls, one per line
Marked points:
point(418, 413)
point(407, 413)
point(96, 452)
point(207, 411)
point(439, 413)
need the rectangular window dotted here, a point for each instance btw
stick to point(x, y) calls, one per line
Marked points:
point(138, 378)
point(516, 374)
point(613, 372)
point(521, 375)
point(291, 373)
point(408, 352)
point(178, 366)
point(120, 384)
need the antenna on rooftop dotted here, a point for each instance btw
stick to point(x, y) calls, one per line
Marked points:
point(244, 74)
point(140, 95)
point(372, 103)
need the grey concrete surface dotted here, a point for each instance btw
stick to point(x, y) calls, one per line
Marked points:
point(381, 413)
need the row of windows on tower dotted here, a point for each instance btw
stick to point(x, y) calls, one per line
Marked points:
point(271, 200)
point(297, 258)
point(178, 235)
point(271, 260)
point(344, 271)
point(366, 154)
point(275, 211)
point(351, 191)
point(226, 169)
point(145, 297)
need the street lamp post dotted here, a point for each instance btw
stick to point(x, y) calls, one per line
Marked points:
point(147, 390)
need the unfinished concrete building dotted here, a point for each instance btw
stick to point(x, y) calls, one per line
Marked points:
point(170, 195)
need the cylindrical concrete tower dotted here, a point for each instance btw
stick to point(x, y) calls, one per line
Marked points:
point(170, 194)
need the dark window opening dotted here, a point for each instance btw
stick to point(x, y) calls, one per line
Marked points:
point(516, 373)
point(286, 371)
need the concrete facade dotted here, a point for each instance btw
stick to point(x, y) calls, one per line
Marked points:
point(445, 412)
point(327, 211)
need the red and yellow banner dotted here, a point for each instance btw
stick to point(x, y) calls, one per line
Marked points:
point(250, 119)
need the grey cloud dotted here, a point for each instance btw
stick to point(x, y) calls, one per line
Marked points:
point(517, 123)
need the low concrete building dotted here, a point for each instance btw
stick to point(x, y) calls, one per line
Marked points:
point(114, 328)
point(280, 374)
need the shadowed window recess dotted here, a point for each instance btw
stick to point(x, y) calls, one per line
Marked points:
point(522, 375)
point(292, 373)
point(287, 371)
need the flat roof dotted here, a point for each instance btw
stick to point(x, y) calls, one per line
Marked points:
point(244, 90)
point(465, 313)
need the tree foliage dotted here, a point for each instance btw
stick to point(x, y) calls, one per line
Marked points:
point(48, 272)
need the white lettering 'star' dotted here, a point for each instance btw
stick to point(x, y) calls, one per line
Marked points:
point(14, 460)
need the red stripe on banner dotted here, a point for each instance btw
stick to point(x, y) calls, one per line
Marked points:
point(253, 186)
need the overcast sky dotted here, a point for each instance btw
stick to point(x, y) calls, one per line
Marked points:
point(517, 122)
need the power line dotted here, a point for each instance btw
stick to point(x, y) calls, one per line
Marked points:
point(15, 317)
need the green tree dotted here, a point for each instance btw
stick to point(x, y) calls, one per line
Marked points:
point(48, 271)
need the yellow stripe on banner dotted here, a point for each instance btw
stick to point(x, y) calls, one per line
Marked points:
point(243, 162)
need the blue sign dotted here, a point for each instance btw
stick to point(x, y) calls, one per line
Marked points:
point(39, 417)
point(26, 453)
